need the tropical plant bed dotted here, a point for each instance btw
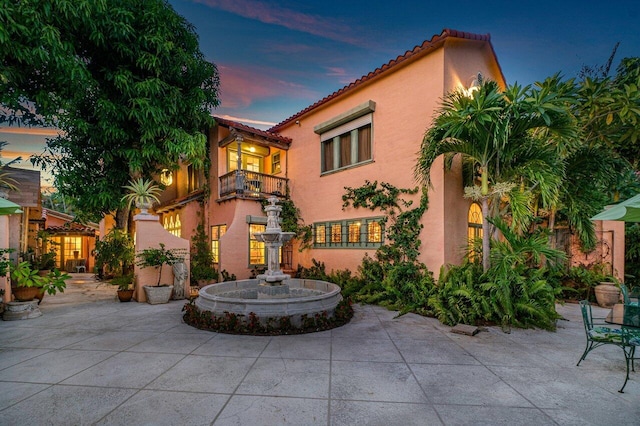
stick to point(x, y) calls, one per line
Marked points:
point(251, 325)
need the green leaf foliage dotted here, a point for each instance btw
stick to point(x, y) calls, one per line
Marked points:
point(123, 79)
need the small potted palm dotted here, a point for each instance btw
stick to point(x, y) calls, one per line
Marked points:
point(157, 258)
point(125, 288)
point(142, 193)
point(115, 256)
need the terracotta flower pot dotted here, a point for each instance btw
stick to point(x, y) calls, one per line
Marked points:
point(125, 295)
point(25, 294)
point(607, 294)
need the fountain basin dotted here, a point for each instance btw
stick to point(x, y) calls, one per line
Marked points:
point(306, 297)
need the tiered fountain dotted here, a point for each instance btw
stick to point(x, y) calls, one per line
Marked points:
point(271, 295)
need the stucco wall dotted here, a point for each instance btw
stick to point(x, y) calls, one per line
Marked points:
point(149, 234)
point(405, 103)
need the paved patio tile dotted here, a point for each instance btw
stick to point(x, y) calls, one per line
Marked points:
point(374, 381)
point(352, 413)
point(65, 405)
point(53, 367)
point(287, 377)
point(158, 408)
point(113, 340)
point(52, 339)
point(12, 393)
point(174, 343)
point(434, 351)
point(204, 374)
point(126, 370)
point(13, 356)
point(510, 354)
point(140, 364)
point(348, 349)
point(465, 384)
point(555, 388)
point(236, 346)
point(268, 411)
point(492, 416)
point(299, 347)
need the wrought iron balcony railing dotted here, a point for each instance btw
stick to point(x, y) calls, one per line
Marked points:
point(252, 184)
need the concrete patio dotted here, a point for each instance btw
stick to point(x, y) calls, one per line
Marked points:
point(92, 360)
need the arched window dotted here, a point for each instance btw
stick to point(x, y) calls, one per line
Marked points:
point(474, 227)
point(172, 224)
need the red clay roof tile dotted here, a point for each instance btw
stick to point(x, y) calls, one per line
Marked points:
point(264, 133)
point(428, 45)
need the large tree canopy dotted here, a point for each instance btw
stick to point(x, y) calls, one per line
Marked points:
point(125, 81)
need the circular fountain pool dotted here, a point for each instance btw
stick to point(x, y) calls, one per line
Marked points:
point(293, 298)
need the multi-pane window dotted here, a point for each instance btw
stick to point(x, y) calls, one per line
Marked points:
point(252, 163)
point(336, 233)
point(347, 149)
point(66, 248)
point(275, 163)
point(257, 249)
point(374, 232)
point(217, 231)
point(321, 236)
point(353, 233)
point(172, 224)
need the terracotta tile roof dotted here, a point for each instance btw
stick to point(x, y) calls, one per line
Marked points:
point(427, 46)
point(265, 134)
point(72, 228)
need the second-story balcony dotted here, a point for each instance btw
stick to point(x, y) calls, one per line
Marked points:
point(246, 184)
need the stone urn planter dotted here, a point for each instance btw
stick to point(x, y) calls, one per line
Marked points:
point(158, 294)
point(607, 294)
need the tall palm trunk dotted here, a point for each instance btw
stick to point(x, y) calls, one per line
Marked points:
point(486, 235)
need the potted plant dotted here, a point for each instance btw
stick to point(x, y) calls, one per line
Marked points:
point(44, 259)
point(55, 281)
point(25, 281)
point(125, 289)
point(114, 254)
point(157, 258)
point(142, 193)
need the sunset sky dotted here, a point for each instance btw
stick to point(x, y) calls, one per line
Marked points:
point(277, 57)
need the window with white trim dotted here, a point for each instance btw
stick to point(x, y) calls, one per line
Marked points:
point(346, 139)
point(347, 149)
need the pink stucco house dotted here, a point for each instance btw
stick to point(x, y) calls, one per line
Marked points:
point(368, 130)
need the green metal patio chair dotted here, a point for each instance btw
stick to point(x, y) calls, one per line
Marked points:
point(598, 335)
point(627, 298)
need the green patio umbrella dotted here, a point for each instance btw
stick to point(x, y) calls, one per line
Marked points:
point(628, 211)
point(8, 207)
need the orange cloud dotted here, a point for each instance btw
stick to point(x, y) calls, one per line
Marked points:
point(32, 131)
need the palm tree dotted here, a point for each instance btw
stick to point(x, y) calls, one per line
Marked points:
point(504, 136)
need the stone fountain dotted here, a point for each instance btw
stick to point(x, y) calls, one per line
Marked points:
point(274, 294)
point(272, 281)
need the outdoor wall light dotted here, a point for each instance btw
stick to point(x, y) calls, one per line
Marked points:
point(476, 82)
point(166, 177)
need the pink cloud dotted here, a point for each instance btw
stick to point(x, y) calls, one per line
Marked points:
point(297, 21)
